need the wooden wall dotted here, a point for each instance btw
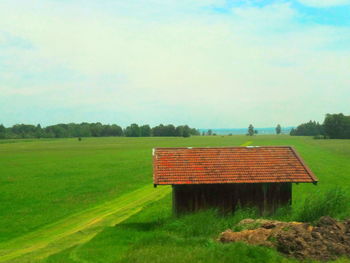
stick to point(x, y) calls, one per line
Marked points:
point(267, 197)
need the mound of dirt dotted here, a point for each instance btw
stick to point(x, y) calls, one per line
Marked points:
point(327, 240)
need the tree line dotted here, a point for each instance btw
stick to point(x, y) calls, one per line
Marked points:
point(334, 126)
point(20, 131)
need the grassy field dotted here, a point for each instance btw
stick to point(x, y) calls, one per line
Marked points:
point(46, 182)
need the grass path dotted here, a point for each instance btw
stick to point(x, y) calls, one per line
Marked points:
point(247, 143)
point(78, 228)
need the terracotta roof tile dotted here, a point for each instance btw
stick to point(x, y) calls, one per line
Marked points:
point(267, 164)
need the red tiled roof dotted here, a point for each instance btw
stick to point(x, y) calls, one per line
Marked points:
point(267, 164)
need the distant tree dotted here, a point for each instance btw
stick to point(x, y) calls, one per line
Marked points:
point(96, 129)
point(256, 131)
point(93, 129)
point(194, 132)
point(23, 130)
point(203, 133)
point(251, 130)
point(116, 130)
point(278, 129)
point(133, 131)
point(2, 131)
point(310, 128)
point(84, 130)
point(337, 126)
point(209, 132)
point(58, 131)
point(111, 130)
point(292, 132)
point(179, 131)
point(38, 131)
point(158, 130)
point(145, 130)
point(169, 130)
point(186, 131)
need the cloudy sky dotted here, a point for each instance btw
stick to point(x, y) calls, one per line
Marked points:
point(207, 63)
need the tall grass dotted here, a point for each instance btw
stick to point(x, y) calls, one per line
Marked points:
point(206, 223)
point(335, 202)
point(192, 238)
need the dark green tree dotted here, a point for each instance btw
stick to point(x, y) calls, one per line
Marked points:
point(93, 129)
point(116, 130)
point(158, 130)
point(2, 131)
point(195, 132)
point(133, 131)
point(23, 130)
point(38, 131)
point(145, 131)
point(186, 131)
point(278, 129)
point(84, 130)
point(310, 128)
point(337, 126)
point(251, 130)
point(96, 129)
point(169, 130)
point(179, 131)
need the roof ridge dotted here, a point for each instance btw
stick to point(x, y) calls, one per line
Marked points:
point(226, 147)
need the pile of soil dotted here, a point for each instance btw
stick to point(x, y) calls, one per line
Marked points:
point(327, 240)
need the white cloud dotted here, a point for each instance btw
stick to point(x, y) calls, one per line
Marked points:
point(256, 64)
point(324, 3)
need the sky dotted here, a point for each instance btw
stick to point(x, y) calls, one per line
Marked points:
point(206, 63)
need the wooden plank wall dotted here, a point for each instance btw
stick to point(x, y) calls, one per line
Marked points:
point(227, 197)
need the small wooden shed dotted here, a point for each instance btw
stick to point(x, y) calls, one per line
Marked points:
point(228, 177)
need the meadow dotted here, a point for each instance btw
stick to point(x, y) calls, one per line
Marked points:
point(47, 184)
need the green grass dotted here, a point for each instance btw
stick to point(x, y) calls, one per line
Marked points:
point(43, 182)
point(154, 235)
point(78, 228)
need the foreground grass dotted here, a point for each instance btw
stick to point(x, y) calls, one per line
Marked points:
point(44, 182)
point(78, 228)
point(153, 235)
